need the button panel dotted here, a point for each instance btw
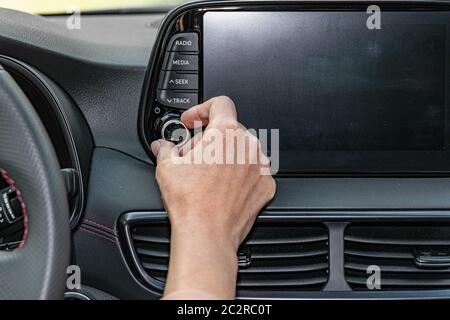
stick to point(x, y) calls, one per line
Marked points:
point(178, 83)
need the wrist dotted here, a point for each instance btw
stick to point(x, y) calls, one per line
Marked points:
point(201, 260)
point(207, 237)
point(194, 224)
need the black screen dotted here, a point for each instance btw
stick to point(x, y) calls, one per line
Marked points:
point(335, 89)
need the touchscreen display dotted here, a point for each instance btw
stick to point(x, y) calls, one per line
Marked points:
point(342, 95)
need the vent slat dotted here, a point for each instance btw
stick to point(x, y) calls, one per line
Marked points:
point(393, 248)
point(302, 268)
point(152, 253)
point(298, 282)
point(379, 251)
point(417, 283)
point(291, 255)
point(403, 242)
point(307, 268)
point(380, 254)
point(318, 238)
point(151, 239)
point(155, 267)
point(394, 269)
point(284, 283)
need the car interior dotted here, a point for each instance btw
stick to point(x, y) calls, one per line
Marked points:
point(354, 95)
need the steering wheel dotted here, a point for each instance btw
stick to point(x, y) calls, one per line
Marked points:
point(28, 164)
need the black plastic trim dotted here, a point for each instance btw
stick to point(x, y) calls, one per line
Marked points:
point(336, 280)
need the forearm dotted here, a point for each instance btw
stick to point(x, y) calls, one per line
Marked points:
point(201, 261)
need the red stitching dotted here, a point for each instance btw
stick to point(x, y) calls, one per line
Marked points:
point(100, 225)
point(97, 234)
point(11, 183)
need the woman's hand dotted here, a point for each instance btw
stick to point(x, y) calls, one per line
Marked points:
point(212, 189)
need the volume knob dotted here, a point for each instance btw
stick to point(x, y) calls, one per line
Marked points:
point(173, 130)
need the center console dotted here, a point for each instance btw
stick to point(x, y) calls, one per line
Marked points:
point(364, 138)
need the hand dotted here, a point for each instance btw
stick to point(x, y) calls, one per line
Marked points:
point(211, 205)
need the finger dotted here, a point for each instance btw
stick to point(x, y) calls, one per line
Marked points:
point(190, 144)
point(214, 109)
point(163, 149)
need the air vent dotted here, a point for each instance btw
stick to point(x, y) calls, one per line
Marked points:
point(277, 256)
point(409, 256)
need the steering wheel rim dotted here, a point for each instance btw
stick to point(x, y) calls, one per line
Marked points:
point(37, 269)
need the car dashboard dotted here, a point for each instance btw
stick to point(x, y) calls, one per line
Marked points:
point(361, 139)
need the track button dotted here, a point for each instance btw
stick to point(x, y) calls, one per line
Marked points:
point(176, 99)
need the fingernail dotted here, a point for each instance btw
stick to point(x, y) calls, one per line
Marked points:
point(155, 147)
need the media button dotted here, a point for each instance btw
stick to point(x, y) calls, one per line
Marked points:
point(176, 99)
point(184, 42)
point(181, 62)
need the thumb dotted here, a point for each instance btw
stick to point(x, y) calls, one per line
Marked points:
point(163, 149)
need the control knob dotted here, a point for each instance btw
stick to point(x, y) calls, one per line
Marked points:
point(169, 127)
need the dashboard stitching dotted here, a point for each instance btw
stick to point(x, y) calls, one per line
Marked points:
point(98, 230)
point(98, 235)
point(100, 225)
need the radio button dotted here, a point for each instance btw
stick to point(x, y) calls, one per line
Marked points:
point(176, 99)
point(178, 81)
point(181, 62)
point(184, 42)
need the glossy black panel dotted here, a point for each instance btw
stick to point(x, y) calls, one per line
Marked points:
point(343, 97)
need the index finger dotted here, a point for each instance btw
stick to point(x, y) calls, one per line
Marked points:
point(218, 108)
